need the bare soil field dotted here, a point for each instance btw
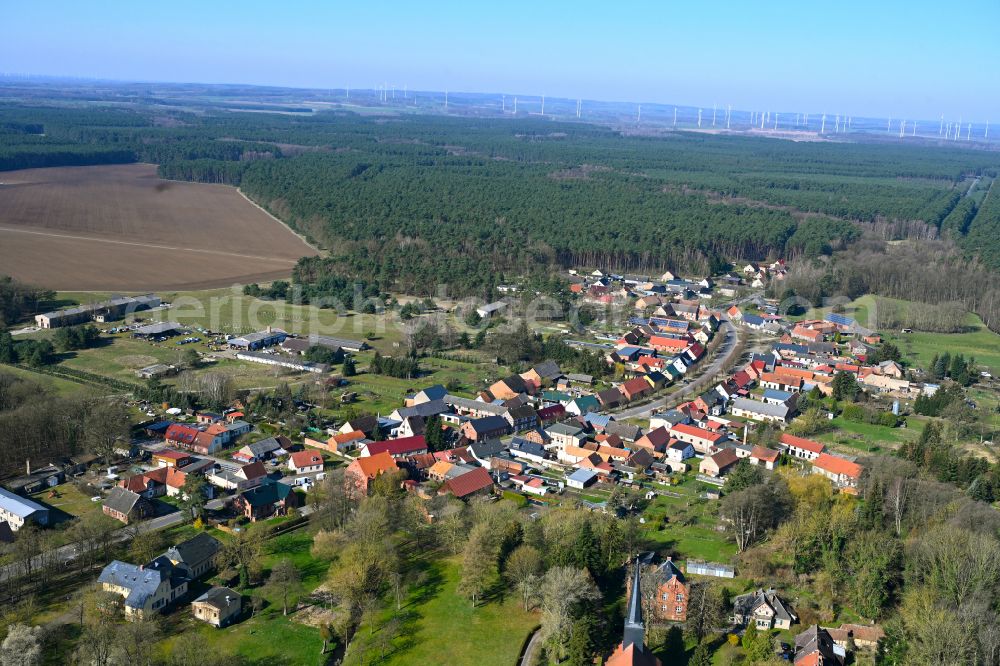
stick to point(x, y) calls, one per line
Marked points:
point(121, 228)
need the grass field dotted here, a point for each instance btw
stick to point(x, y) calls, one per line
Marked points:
point(57, 385)
point(685, 525)
point(441, 627)
point(869, 438)
point(67, 499)
point(120, 227)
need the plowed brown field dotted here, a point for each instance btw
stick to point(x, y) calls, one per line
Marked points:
point(120, 228)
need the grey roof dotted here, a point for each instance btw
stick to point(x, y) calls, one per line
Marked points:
point(626, 431)
point(548, 370)
point(746, 604)
point(424, 409)
point(673, 416)
point(486, 449)
point(564, 429)
point(195, 550)
point(258, 336)
point(466, 403)
point(668, 570)
point(489, 424)
point(335, 343)
point(141, 581)
point(582, 474)
point(635, 630)
point(220, 597)
point(122, 500)
point(580, 377)
point(158, 327)
point(746, 404)
point(139, 302)
point(264, 446)
point(526, 447)
point(22, 507)
point(435, 392)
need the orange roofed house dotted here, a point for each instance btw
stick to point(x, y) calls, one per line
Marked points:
point(843, 472)
point(362, 471)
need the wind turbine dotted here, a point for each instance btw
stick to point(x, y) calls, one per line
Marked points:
point(986, 134)
point(776, 122)
point(543, 105)
point(699, 117)
point(968, 134)
point(445, 100)
point(503, 103)
point(515, 105)
point(941, 129)
point(675, 116)
point(888, 126)
point(822, 127)
point(902, 128)
point(579, 108)
point(713, 114)
point(729, 116)
point(638, 115)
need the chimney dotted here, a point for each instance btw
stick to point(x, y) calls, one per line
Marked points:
point(27, 464)
point(269, 330)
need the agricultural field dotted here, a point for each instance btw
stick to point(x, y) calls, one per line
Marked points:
point(122, 228)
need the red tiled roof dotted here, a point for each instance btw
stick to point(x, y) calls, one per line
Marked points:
point(468, 483)
point(837, 465)
point(372, 466)
point(399, 447)
point(802, 443)
point(695, 431)
point(306, 459)
point(764, 453)
point(168, 454)
point(254, 470)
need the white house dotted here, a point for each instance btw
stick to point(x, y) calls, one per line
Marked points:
point(305, 462)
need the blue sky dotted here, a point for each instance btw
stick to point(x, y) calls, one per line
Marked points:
point(861, 58)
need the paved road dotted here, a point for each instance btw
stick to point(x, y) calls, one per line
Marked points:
point(529, 652)
point(66, 554)
point(723, 355)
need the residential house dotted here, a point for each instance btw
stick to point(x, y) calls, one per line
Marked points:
point(429, 394)
point(305, 462)
point(628, 432)
point(366, 424)
point(761, 455)
point(672, 591)
point(583, 405)
point(16, 511)
point(761, 411)
point(397, 448)
point(566, 434)
point(865, 637)
point(509, 387)
point(678, 451)
point(886, 384)
point(816, 647)
point(265, 449)
point(635, 388)
point(125, 506)
point(219, 606)
point(609, 398)
point(359, 475)
point(844, 473)
point(718, 463)
point(765, 609)
point(146, 589)
point(702, 440)
point(528, 450)
point(243, 478)
point(197, 554)
point(262, 502)
point(655, 440)
point(149, 484)
point(522, 417)
point(168, 458)
point(489, 427)
point(800, 447)
point(475, 482)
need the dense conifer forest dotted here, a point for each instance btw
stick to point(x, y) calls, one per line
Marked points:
point(412, 201)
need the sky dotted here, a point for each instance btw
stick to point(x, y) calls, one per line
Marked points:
point(874, 58)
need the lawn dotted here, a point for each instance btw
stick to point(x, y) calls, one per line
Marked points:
point(68, 499)
point(270, 637)
point(867, 437)
point(690, 528)
point(440, 627)
point(919, 347)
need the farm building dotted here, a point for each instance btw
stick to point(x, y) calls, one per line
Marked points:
point(283, 362)
point(114, 308)
point(158, 330)
point(259, 340)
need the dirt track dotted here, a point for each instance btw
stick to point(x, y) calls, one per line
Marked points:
point(120, 228)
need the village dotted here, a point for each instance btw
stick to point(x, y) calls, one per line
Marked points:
point(696, 393)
